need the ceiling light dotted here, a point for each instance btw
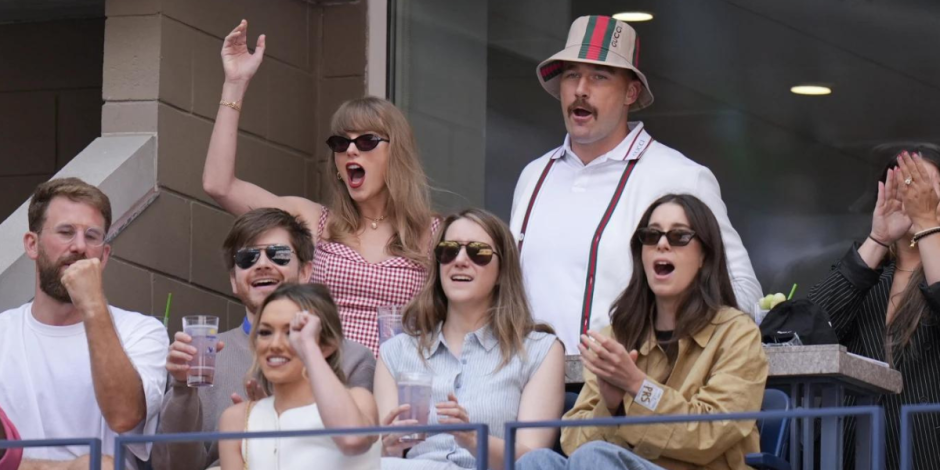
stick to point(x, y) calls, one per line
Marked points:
point(633, 16)
point(811, 90)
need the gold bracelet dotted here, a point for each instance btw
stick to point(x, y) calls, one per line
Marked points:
point(231, 104)
point(923, 233)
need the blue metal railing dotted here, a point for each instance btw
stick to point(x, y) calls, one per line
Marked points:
point(481, 429)
point(874, 412)
point(907, 457)
point(93, 443)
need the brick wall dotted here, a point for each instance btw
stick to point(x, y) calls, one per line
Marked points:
point(50, 101)
point(163, 74)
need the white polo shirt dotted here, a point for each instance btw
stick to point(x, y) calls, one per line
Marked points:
point(568, 209)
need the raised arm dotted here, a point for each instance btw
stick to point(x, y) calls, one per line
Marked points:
point(922, 204)
point(118, 386)
point(339, 406)
point(218, 177)
point(850, 280)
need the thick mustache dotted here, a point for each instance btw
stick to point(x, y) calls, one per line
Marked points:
point(583, 105)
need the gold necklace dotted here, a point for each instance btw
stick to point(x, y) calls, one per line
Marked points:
point(375, 222)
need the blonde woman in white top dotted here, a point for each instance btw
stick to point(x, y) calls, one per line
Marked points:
point(298, 363)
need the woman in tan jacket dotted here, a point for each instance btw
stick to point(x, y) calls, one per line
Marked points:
point(676, 346)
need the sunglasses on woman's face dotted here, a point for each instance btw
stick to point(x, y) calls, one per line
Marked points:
point(364, 142)
point(675, 237)
point(480, 253)
point(278, 254)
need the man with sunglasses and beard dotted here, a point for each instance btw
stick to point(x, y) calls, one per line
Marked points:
point(71, 365)
point(264, 249)
point(575, 208)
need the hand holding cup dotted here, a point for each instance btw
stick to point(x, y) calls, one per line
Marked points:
point(392, 444)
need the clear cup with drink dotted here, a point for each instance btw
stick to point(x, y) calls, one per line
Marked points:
point(204, 331)
point(389, 322)
point(414, 389)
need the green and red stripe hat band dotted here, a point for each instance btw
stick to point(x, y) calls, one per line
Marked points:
point(598, 40)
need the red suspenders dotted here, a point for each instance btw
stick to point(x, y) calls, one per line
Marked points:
point(595, 242)
point(538, 187)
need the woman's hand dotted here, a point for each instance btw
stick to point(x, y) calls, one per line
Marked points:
point(612, 396)
point(610, 361)
point(305, 334)
point(239, 64)
point(450, 412)
point(392, 445)
point(889, 222)
point(922, 196)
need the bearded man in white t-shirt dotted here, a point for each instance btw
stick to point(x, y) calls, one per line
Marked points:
point(576, 208)
point(73, 366)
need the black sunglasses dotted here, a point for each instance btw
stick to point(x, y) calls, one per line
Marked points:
point(278, 254)
point(675, 237)
point(478, 252)
point(364, 142)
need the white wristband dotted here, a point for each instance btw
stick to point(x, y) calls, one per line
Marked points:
point(649, 395)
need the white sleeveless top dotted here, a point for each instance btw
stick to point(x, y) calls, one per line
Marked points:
point(297, 453)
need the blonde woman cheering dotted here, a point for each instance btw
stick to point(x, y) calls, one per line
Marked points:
point(297, 360)
point(373, 243)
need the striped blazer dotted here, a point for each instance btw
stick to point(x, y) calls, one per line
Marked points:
point(856, 298)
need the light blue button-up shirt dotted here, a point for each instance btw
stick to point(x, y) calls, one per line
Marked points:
point(490, 394)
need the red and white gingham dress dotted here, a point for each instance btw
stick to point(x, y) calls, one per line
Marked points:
point(359, 287)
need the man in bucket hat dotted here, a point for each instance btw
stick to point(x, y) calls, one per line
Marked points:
point(576, 208)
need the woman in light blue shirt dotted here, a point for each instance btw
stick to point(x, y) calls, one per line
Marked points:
point(471, 328)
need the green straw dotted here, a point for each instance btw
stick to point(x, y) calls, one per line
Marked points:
point(166, 316)
point(792, 291)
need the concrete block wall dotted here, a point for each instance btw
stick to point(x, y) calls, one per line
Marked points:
point(163, 75)
point(442, 75)
point(50, 101)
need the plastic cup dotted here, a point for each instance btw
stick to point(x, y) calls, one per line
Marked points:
point(204, 331)
point(389, 322)
point(414, 388)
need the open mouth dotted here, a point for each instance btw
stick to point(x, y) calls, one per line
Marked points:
point(265, 282)
point(356, 174)
point(663, 268)
point(582, 113)
point(461, 278)
point(277, 361)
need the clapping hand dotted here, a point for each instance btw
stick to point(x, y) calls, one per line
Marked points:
point(919, 191)
point(611, 362)
point(240, 64)
point(889, 222)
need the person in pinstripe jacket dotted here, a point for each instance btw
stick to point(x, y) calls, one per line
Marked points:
point(884, 299)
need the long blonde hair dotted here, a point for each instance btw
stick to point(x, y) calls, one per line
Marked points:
point(509, 316)
point(315, 299)
point(409, 201)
